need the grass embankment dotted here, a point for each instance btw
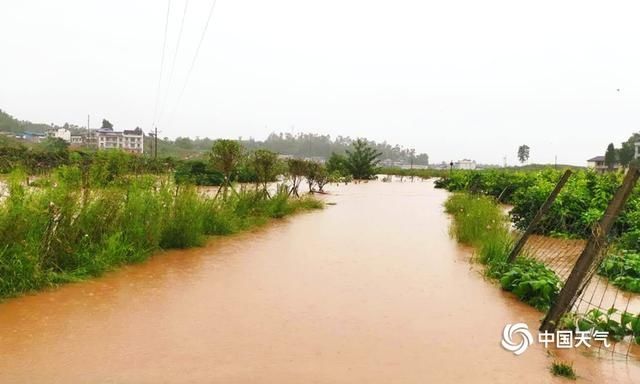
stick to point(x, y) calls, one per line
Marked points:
point(63, 232)
point(478, 221)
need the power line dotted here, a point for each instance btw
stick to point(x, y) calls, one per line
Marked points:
point(195, 57)
point(164, 49)
point(175, 56)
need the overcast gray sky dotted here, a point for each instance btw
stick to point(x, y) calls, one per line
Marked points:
point(456, 79)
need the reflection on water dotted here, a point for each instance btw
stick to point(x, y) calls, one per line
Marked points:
point(371, 290)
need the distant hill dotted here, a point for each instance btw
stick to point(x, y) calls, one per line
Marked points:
point(307, 145)
point(9, 123)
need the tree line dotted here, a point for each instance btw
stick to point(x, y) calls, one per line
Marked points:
point(227, 161)
point(624, 155)
point(230, 161)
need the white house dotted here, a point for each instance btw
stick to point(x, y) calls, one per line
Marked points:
point(128, 140)
point(61, 133)
point(465, 164)
point(597, 163)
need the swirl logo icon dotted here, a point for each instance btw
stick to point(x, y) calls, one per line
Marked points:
point(520, 330)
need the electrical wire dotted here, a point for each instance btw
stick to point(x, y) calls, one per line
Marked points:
point(162, 58)
point(175, 56)
point(195, 58)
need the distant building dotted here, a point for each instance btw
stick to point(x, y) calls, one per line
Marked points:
point(414, 166)
point(60, 133)
point(465, 164)
point(127, 140)
point(35, 137)
point(597, 163)
point(77, 140)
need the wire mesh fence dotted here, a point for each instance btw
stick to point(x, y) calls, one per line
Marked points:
point(600, 305)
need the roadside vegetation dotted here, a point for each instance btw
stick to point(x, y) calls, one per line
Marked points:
point(578, 207)
point(479, 222)
point(102, 211)
point(76, 214)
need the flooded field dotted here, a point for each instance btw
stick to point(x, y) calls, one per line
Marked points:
point(370, 290)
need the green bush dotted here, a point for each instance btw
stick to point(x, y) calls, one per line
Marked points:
point(67, 231)
point(479, 221)
point(623, 269)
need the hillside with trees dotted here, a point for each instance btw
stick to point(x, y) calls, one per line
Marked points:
point(300, 145)
point(9, 123)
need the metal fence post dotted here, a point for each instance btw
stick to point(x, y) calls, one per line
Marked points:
point(544, 208)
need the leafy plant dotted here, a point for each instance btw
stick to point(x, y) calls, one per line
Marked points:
point(623, 268)
point(559, 368)
point(478, 221)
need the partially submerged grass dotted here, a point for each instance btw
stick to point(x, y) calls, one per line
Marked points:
point(62, 232)
point(562, 369)
point(478, 221)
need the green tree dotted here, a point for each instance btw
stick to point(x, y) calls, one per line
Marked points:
point(610, 157)
point(362, 160)
point(337, 164)
point(297, 168)
point(225, 156)
point(265, 165)
point(106, 124)
point(316, 174)
point(523, 153)
point(626, 153)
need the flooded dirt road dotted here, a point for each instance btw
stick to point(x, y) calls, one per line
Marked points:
point(371, 290)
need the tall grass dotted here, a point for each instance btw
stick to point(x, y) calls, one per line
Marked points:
point(63, 232)
point(478, 221)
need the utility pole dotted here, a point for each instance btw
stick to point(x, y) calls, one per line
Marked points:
point(413, 151)
point(155, 145)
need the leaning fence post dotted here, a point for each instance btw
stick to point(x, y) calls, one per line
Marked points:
point(584, 267)
point(544, 208)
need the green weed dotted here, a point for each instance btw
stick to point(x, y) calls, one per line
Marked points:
point(562, 369)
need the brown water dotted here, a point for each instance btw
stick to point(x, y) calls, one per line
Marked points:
point(371, 290)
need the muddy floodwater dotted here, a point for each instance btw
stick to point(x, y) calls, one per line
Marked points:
point(370, 290)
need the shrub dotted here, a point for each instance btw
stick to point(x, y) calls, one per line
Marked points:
point(67, 231)
point(623, 269)
point(479, 221)
point(559, 368)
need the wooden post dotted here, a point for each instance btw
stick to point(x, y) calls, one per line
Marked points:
point(579, 276)
point(544, 208)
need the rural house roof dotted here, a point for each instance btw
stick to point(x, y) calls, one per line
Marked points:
point(597, 158)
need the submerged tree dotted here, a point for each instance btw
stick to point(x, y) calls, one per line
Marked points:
point(336, 164)
point(225, 156)
point(265, 165)
point(317, 175)
point(523, 153)
point(362, 160)
point(297, 169)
